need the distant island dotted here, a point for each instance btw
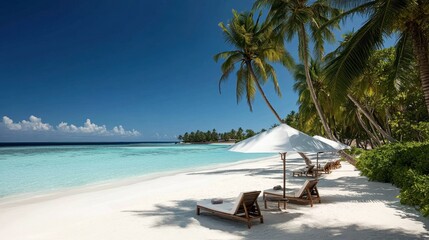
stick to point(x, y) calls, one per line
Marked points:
point(214, 137)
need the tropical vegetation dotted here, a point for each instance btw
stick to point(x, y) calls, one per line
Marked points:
point(303, 19)
point(213, 136)
point(406, 20)
point(363, 93)
point(405, 165)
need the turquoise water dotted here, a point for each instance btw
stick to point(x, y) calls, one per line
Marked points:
point(39, 169)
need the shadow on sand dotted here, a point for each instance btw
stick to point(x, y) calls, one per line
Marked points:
point(182, 213)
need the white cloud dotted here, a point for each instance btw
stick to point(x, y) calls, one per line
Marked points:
point(10, 125)
point(119, 130)
point(64, 127)
point(88, 128)
point(92, 128)
point(34, 124)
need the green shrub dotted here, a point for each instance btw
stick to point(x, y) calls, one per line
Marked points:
point(355, 151)
point(406, 165)
point(417, 192)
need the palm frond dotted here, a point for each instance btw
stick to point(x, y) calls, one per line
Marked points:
point(260, 67)
point(365, 8)
point(343, 69)
point(303, 51)
point(250, 89)
point(228, 67)
point(404, 59)
point(241, 82)
point(350, 4)
point(272, 74)
point(224, 55)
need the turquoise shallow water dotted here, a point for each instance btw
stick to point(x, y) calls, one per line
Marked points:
point(46, 168)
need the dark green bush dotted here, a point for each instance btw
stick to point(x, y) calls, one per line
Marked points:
point(355, 151)
point(405, 165)
point(416, 192)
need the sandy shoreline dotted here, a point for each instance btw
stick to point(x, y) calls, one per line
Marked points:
point(164, 208)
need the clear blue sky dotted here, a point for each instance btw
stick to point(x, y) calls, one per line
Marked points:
point(124, 65)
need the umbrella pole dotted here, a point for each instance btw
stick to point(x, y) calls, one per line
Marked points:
point(317, 165)
point(283, 157)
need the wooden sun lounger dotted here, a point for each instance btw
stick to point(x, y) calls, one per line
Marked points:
point(326, 168)
point(298, 171)
point(337, 164)
point(308, 194)
point(308, 171)
point(244, 208)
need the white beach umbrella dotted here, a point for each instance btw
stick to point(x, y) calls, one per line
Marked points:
point(281, 139)
point(334, 144)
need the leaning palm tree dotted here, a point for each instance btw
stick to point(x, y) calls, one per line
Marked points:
point(256, 45)
point(308, 116)
point(407, 20)
point(303, 18)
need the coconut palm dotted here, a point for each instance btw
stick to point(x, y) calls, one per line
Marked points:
point(309, 119)
point(256, 45)
point(364, 85)
point(303, 18)
point(406, 20)
point(340, 117)
point(307, 111)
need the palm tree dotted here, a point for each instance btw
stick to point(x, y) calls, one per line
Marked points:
point(307, 112)
point(256, 44)
point(364, 83)
point(408, 20)
point(296, 18)
point(309, 119)
point(345, 114)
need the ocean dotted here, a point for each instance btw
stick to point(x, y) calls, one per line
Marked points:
point(28, 169)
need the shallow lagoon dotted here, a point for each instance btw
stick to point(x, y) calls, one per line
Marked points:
point(33, 169)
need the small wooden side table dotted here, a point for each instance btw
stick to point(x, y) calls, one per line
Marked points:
point(272, 198)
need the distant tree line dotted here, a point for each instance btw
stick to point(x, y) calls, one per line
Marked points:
point(213, 136)
point(292, 119)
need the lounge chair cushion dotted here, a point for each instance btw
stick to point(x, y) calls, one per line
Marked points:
point(225, 207)
point(300, 169)
point(279, 192)
point(301, 190)
point(244, 208)
point(300, 196)
point(288, 193)
point(236, 203)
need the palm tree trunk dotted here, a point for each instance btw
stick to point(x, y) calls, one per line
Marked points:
point(374, 131)
point(371, 119)
point(368, 132)
point(313, 95)
point(249, 65)
point(350, 159)
point(420, 46)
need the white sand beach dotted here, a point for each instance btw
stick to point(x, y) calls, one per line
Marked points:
point(164, 208)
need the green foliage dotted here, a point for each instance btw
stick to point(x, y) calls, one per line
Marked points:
point(292, 119)
point(403, 19)
point(355, 151)
point(405, 165)
point(212, 136)
point(256, 45)
point(416, 192)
